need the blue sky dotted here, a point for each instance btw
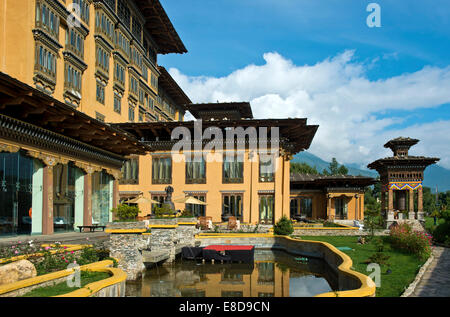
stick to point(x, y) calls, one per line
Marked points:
point(383, 68)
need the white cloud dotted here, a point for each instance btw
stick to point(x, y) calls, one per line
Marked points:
point(337, 95)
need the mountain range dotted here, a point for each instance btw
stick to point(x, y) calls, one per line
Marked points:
point(435, 175)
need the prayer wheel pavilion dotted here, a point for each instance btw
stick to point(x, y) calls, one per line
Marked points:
point(401, 179)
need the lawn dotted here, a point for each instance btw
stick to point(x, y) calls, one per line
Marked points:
point(63, 288)
point(429, 223)
point(404, 266)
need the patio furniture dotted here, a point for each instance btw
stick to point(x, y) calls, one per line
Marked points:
point(91, 228)
point(232, 223)
point(205, 223)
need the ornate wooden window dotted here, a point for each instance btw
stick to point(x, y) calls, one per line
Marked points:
point(195, 170)
point(233, 168)
point(137, 29)
point(104, 26)
point(75, 42)
point(84, 9)
point(117, 103)
point(47, 19)
point(130, 171)
point(162, 170)
point(131, 113)
point(266, 168)
point(100, 93)
point(124, 12)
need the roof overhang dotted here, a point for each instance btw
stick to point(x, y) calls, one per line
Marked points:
point(158, 135)
point(27, 104)
point(170, 86)
point(220, 111)
point(160, 27)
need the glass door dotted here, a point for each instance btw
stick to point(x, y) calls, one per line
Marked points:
point(64, 197)
point(266, 208)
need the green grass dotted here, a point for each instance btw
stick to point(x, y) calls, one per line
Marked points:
point(429, 224)
point(62, 288)
point(404, 266)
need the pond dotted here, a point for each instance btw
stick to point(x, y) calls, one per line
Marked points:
point(273, 274)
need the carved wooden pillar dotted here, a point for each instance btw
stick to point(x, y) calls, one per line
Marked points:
point(47, 201)
point(383, 202)
point(330, 214)
point(420, 215)
point(116, 197)
point(391, 200)
point(412, 215)
point(87, 210)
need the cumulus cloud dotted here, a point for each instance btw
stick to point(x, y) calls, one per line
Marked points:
point(352, 111)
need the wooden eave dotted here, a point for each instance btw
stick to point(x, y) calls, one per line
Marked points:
point(160, 27)
point(27, 104)
point(170, 86)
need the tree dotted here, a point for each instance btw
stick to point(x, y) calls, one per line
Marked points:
point(335, 169)
point(303, 168)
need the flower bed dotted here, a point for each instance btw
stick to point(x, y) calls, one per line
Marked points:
point(404, 238)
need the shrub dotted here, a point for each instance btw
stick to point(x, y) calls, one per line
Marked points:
point(164, 211)
point(442, 232)
point(283, 227)
point(404, 238)
point(186, 214)
point(378, 243)
point(379, 258)
point(126, 213)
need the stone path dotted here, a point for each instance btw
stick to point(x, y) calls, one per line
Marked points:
point(436, 280)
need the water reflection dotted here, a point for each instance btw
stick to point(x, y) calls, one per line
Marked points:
point(274, 274)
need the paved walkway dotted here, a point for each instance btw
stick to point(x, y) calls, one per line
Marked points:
point(436, 280)
point(68, 238)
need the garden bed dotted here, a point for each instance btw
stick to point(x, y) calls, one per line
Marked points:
point(404, 267)
point(62, 288)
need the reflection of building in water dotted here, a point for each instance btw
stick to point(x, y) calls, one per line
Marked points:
point(265, 278)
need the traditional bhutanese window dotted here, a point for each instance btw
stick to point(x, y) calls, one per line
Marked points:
point(151, 103)
point(124, 12)
point(195, 170)
point(266, 168)
point(47, 19)
point(84, 9)
point(144, 72)
point(75, 42)
point(73, 78)
point(137, 29)
point(102, 59)
point(117, 103)
point(100, 93)
point(233, 168)
point(154, 81)
point(123, 43)
point(130, 171)
point(104, 25)
point(119, 73)
point(141, 116)
point(130, 113)
point(133, 85)
point(161, 170)
point(46, 61)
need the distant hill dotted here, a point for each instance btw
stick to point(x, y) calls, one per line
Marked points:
point(434, 174)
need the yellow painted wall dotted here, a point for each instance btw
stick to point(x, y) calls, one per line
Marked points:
point(215, 187)
point(17, 59)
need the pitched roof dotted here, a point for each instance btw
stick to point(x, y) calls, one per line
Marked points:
point(170, 86)
point(221, 110)
point(160, 27)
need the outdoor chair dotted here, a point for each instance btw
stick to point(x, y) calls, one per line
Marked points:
point(232, 223)
point(205, 223)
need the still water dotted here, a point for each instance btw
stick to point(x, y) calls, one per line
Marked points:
point(273, 274)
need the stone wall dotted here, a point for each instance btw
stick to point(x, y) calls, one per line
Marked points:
point(126, 244)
